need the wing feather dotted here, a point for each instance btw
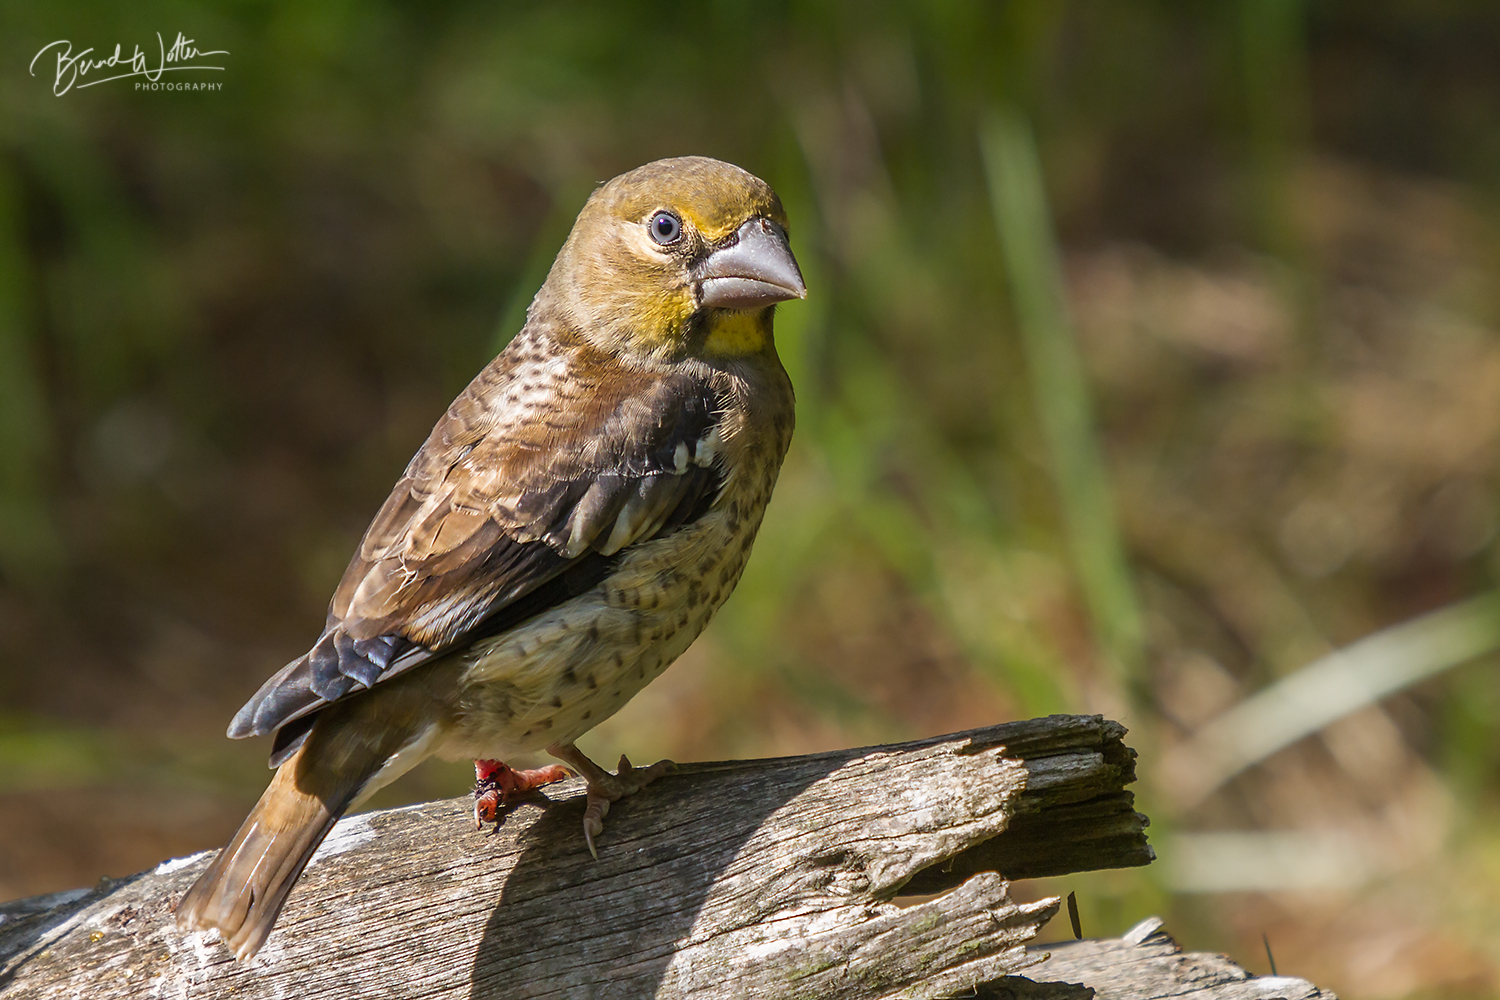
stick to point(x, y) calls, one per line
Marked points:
point(552, 462)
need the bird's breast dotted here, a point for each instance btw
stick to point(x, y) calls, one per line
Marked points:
point(565, 671)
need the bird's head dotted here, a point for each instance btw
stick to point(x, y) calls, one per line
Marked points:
point(678, 258)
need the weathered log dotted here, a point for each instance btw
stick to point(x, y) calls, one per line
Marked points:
point(753, 878)
point(1146, 964)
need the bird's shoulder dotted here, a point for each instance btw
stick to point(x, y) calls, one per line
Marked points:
point(546, 445)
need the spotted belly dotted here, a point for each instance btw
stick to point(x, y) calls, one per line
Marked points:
point(564, 672)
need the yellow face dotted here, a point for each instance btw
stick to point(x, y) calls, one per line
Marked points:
point(682, 257)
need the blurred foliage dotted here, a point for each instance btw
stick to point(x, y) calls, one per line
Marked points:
point(227, 319)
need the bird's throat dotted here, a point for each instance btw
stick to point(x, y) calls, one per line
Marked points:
point(733, 333)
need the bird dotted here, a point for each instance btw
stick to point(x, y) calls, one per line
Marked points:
point(569, 527)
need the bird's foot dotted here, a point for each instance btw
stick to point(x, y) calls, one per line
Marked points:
point(497, 784)
point(605, 788)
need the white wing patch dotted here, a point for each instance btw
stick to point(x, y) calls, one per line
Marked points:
point(708, 447)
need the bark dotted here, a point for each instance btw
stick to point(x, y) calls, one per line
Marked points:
point(1146, 964)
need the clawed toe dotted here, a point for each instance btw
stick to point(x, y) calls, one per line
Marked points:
point(605, 788)
point(497, 784)
point(632, 779)
point(593, 819)
point(486, 808)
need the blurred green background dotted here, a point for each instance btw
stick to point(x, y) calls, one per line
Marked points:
point(1152, 355)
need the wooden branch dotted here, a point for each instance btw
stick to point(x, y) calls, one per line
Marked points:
point(763, 878)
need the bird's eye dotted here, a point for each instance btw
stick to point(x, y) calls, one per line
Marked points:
point(666, 228)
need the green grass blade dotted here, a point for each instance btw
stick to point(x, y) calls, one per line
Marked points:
point(1058, 385)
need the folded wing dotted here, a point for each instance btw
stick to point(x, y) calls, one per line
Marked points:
point(538, 476)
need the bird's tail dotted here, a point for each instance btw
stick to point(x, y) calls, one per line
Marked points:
point(242, 892)
point(356, 746)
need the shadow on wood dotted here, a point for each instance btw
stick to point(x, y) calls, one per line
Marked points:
point(766, 878)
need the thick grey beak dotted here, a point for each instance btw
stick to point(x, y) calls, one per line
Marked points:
point(757, 270)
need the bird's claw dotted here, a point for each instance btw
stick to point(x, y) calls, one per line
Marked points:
point(605, 788)
point(497, 784)
point(486, 808)
point(593, 820)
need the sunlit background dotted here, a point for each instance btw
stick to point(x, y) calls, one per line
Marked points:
point(1152, 355)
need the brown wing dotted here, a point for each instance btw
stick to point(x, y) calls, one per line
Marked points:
point(550, 463)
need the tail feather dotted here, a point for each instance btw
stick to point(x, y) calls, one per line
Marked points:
point(354, 747)
point(243, 891)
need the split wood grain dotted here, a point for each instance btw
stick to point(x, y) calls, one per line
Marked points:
point(1146, 964)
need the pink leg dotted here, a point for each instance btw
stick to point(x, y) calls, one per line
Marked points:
point(497, 784)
